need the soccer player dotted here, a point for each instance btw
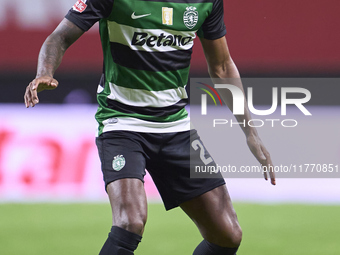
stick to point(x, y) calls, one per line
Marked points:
point(142, 120)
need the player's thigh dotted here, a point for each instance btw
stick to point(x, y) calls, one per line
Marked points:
point(171, 169)
point(128, 203)
point(215, 217)
point(123, 166)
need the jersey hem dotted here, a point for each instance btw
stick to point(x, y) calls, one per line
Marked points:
point(137, 125)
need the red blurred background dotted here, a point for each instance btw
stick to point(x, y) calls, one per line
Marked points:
point(265, 37)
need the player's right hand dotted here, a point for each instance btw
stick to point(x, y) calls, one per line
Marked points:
point(37, 85)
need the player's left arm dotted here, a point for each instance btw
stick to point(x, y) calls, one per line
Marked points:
point(221, 66)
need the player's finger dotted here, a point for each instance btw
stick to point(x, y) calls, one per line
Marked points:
point(270, 168)
point(266, 164)
point(265, 174)
point(26, 99)
point(34, 92)
point(29, 95)
point(272, 178)
point(54, 83)
point(272, 175)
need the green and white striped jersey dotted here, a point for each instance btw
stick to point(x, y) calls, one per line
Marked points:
point(147, 46)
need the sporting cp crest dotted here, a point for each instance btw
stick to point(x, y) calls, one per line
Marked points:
point(118, 162)
point(190, 17)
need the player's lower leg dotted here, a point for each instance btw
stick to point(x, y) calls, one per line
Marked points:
point(129, 213)
point(215, 217)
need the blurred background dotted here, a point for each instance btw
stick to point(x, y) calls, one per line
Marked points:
point(266, 38)
point(48, 154)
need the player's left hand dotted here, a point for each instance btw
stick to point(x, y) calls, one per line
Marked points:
point(262, 155)
point(37, 85)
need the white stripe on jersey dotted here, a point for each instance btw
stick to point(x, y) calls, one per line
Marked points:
point(138, 125)
point(124, 34)
point(145, 98)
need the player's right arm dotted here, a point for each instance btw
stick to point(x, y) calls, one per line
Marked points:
point(50, 56)
point(80, 18)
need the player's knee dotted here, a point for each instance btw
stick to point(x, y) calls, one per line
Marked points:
point(133, 222)
point(228, 237)
point(234, 240)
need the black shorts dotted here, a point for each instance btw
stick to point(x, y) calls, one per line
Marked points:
point(166, 156)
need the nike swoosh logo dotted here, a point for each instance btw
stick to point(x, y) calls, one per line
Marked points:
point(133, 16)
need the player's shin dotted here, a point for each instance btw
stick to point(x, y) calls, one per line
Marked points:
point(120, 242)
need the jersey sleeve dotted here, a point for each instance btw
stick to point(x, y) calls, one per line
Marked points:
point(214, 27)
point(85, 13)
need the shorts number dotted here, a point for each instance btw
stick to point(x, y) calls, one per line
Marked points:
point(196, 144)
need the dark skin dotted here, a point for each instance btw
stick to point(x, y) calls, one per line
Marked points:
point(222, 66)
point(212, 212)
point(50, 57)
